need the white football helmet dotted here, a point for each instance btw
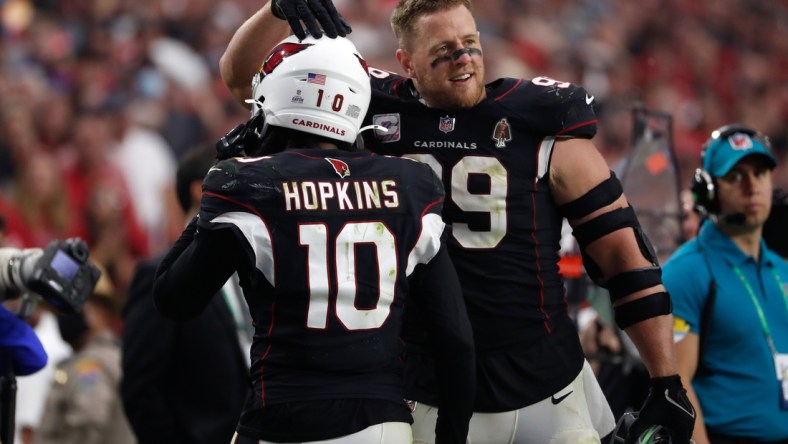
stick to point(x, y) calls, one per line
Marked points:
point(319, 86)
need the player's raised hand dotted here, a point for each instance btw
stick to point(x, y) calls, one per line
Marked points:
point(311, 13)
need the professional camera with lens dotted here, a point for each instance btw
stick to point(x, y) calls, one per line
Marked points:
point(60, 273)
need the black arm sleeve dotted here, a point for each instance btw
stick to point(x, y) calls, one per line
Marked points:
point(437, 285)
point(194, 270)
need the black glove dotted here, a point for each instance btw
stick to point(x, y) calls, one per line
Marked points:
point(297, 11)
point(232, 143)
point(667, 405)
point(241, 140)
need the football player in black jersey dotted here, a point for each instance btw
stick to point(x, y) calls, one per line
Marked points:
point(516, 158)
point(327, 241)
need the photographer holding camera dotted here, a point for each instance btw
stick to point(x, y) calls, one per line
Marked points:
point(61, 275)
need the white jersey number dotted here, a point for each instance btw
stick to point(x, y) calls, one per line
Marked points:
point(493, 203)
point(316, 239)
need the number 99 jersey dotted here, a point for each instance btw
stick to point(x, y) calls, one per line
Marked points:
point(505, 227)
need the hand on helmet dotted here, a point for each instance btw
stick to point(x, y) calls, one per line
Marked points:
point(311, 12)
point(667, 405)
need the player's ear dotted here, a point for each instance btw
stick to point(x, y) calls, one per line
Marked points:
point(404, 60)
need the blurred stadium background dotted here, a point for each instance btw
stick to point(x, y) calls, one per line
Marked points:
point(100, 98)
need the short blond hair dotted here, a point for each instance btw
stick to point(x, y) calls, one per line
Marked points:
point(406, 13)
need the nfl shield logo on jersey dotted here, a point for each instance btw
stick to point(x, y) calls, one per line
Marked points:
point(446, 124)
point(502, 133)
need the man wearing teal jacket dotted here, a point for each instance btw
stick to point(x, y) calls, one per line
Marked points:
point(730, 297)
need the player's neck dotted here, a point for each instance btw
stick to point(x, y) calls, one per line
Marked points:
point(306, 140)
point(327, 146)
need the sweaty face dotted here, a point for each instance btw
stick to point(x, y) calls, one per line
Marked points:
point(747, 189)
point(445, 60)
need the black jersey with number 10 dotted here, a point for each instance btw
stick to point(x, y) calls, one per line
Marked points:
point(332, 237)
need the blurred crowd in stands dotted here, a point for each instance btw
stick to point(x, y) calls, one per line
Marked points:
point(100, 98)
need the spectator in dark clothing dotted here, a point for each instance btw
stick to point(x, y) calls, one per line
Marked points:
point(183, 382)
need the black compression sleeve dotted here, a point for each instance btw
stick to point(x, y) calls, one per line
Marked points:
point(177, 248)
point(438, 286)
point(193, 271)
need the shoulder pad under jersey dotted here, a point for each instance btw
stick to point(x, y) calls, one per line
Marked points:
point(237, 182)
point(550, 106)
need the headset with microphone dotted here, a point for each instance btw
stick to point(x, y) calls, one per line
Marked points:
point(734, 137)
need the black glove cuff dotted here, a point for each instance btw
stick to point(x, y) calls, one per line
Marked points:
point(666, 382)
